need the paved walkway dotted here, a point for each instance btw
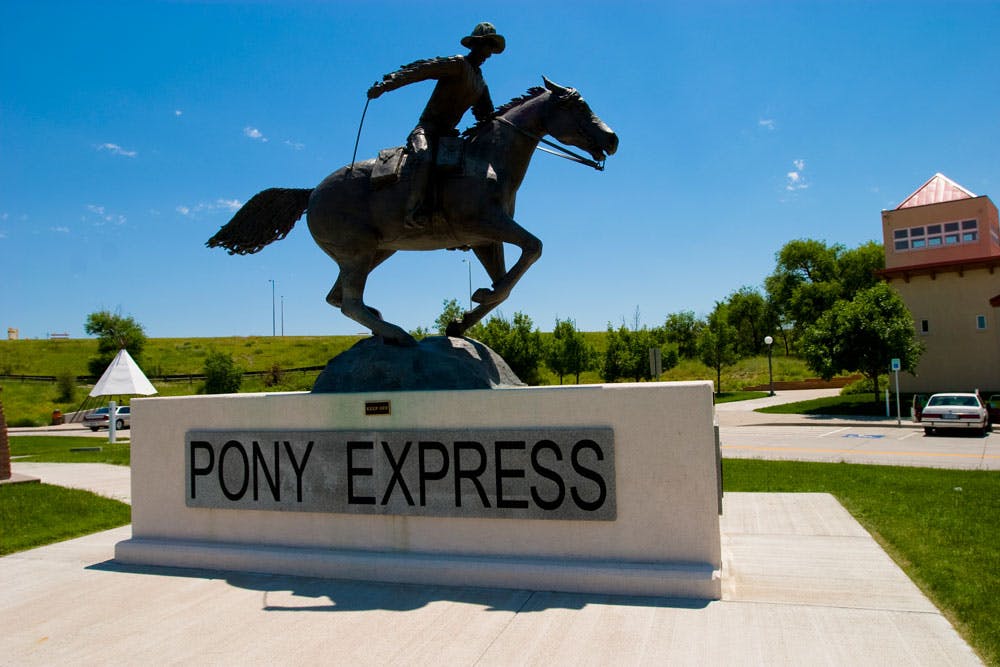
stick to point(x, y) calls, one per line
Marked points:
point(803, 583)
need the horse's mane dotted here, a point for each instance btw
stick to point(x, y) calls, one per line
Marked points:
point(516, 102)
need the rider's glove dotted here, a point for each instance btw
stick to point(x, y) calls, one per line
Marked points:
point(376, 90)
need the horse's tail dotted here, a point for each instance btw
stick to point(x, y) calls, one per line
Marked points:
point(266, 218)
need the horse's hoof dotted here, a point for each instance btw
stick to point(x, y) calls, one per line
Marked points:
point(484, 295)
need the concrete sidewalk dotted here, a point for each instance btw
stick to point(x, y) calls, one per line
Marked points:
point(803, 583)
point(741, 413)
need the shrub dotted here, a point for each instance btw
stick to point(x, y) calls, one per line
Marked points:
point(864, 386)
point(222, 375)
point(65, 387)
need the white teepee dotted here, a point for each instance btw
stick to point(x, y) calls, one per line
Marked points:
point(123, 377)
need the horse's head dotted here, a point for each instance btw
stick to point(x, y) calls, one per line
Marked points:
point(571, 122)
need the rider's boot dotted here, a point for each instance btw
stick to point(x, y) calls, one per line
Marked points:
point(417, 208)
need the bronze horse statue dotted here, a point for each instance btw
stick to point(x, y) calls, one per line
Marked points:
point(360, 225)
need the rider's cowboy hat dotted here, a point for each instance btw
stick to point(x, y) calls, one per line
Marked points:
point(485, 32)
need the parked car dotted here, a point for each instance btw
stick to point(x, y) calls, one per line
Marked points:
point(955, 411)
point(98, 418)
point(993, 408)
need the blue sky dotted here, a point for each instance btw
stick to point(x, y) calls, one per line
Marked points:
point(129, 132)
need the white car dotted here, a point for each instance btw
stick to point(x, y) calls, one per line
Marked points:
point(99, 418)
point(955, 411)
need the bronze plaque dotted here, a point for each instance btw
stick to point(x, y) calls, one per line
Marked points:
point(378, 408)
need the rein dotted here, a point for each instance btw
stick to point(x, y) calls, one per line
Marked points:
point(564, 152)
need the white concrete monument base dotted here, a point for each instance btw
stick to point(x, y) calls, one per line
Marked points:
point(596, 488)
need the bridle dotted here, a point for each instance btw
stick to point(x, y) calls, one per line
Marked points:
point(564, 152)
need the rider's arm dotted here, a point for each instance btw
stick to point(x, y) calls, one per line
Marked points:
point(420, 70)
point(483, 110)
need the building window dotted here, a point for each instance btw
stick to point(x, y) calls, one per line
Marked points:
point(936, 235)
point(925, 327)
point(981, 322)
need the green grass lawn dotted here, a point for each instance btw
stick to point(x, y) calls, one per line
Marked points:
point(854, 404)
point(32, 515)
point(59, 449)
point(941, 526)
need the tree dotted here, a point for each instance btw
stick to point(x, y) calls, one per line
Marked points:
point(222, 375)
point(811, 276)
point(682, 329)
point(568, 352)
point(114, 332)
point(862, 335)
point(627, 353)
point(517, 342)
point(453, 311)
point(717, 344)
point(750, 315)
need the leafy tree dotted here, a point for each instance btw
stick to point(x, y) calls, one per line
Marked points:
point(752, 318)
point(452, 312)
point(518, 342)
point(627, 353)
point(114, 332)
point(811, 276)
point(682, 329)
point(862, 335)
point(222, 375)
point(568, 352)
point(717, 344)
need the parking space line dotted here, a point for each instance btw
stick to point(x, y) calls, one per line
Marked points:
point(844, 428)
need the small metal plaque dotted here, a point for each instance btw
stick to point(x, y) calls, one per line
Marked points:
point(378, 408)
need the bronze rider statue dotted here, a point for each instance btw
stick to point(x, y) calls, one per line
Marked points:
point(460, 86)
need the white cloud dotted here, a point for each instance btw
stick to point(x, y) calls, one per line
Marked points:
point(115, 149)
point(294, 144)
point(61, 229)
point(794, 179)
point(178, 112)
point(254, 133)
point(766, 123)
point(230, 205)
point(103, 216)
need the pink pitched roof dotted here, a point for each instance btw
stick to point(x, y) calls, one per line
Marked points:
point(938, 189)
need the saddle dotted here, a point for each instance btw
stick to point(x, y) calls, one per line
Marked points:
point(390, 162)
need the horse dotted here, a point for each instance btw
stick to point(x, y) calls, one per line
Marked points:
point(360, 225)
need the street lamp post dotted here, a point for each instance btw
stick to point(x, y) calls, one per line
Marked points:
point(770, 372)
point(282, 314)
point(470, 281)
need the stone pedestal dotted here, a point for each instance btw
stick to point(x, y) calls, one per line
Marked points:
point(597, 488)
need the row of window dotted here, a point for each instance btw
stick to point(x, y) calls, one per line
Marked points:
point(936, 235)
point(925, 325)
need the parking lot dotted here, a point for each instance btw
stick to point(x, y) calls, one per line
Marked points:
point(905, 445)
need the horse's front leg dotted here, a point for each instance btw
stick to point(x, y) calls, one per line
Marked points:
point(491, 257)
point(508, 231)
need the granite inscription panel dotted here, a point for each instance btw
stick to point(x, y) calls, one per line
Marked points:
point(540, 473)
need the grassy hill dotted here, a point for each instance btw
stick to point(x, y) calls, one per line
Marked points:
point(28, 403)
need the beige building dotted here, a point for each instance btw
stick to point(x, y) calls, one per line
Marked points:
point(942, 255)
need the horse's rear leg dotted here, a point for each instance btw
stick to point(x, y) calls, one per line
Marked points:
point(349, 291)
point(336, 295)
